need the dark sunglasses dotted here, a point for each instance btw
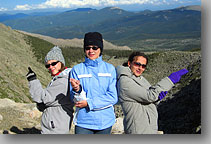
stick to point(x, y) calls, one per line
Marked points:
point(93, 47)
point(53, 64)
point(137, 64)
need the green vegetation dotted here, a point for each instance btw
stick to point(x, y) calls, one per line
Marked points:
point(3, 93)
point(117, 53)
point(72, 55)
point(39, 47)
point(155, 44)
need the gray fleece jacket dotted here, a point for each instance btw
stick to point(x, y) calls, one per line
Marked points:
point(138, 100)
point(58, 114)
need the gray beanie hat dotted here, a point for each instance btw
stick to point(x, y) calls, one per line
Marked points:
point(55, 54)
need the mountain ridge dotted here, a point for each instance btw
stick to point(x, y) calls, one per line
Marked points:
point(75, 42)
point(119, 26)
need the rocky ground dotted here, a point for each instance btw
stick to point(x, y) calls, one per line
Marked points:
point(23, 118)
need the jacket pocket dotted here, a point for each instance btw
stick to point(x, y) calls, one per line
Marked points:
point(52, 124)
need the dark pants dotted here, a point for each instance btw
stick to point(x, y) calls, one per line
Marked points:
point(80, 130)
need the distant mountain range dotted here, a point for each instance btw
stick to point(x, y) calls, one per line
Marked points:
point(117, 26)
point(5, 17)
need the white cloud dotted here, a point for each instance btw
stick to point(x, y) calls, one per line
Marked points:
point(69, 3)
point(82, 3)
point(23, 7)
point(3, 9)
point(93, 3)
point(77, 3)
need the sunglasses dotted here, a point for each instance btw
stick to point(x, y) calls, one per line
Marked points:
point(137, 64)
point(53, 64)
point(93, 47)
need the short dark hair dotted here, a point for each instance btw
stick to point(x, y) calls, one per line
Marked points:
point(133, 55)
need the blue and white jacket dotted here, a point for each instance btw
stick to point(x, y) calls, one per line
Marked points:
point(98, 81)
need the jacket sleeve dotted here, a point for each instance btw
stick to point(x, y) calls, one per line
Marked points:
point(105, 99)
point(73, 75)
point(50, 95)
point(130, 90)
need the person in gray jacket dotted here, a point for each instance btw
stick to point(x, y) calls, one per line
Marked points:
point(138, 98)
point(54, 100)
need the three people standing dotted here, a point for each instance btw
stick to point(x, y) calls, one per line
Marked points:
point(93, 89)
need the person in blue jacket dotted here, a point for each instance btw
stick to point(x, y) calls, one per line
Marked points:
point(93, 89)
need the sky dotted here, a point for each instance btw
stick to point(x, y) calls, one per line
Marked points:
point(133, 5)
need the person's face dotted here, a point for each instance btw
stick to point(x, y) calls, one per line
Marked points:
point(92, 52)
point(138, 65)
point(53, 66)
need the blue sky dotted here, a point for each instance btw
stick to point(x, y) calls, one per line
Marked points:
point(26, 5)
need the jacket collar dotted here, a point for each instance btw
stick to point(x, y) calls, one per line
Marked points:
point(59, 72)
point(63, 73)
point(94, 63)
point(122, 70)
